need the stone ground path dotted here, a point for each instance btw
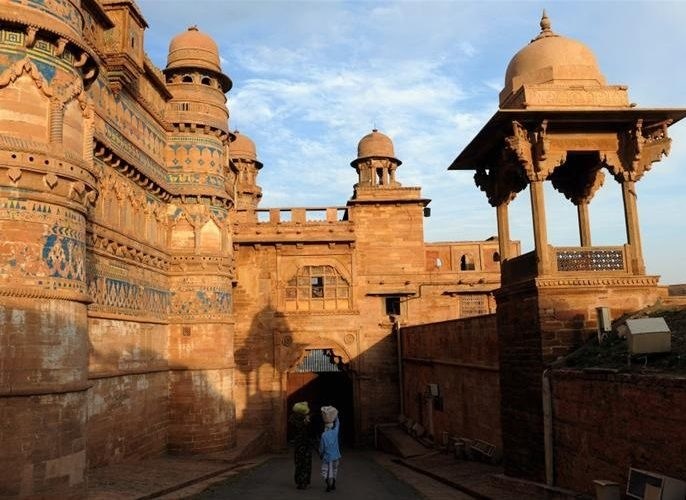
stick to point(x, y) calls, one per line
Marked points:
point(363, 475)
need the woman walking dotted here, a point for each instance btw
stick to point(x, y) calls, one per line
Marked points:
point(328, 447)
point(300, 420)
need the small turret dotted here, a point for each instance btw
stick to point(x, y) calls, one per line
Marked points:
point(195, 79)
point(376, 162)
point(244, 163)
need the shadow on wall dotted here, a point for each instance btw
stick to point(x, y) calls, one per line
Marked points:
point(260, 375)
point(134, 397)
point(267, 385)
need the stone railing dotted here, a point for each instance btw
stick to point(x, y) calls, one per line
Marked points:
point(571, 262)
point(590, 259)
point(300, 215)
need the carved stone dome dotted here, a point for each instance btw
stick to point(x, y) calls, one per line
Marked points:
point(194, 49)
point(375, 145)
point(242, 147)
point(550, 58)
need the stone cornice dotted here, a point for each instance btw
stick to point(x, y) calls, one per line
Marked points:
point(103, 312)
point(154, 182)
point(284, 314)
point(112, 244)
point(197, 264)
point(195, 318)
point(596, 281)
point(40, 168)
point(34, 292)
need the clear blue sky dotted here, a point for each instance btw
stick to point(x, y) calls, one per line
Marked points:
point(312, 77)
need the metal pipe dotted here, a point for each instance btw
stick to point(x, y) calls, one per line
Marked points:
point(548, 427)
point(396, 324)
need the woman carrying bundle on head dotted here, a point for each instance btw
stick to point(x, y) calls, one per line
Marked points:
point(300, 420)
point(328, 447)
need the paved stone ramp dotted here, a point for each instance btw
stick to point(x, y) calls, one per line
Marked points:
point(360, 477)
point(395, 440)
point(156, 477)
point(482, 481)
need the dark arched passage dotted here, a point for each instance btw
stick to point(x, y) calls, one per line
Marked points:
point(321, 379)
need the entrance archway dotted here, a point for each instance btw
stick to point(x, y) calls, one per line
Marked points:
point(322, 379)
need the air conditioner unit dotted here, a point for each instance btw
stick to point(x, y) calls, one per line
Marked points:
point(646, 335)
point(646, 485)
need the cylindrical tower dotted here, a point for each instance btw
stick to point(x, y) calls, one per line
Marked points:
point(245, 167)
point(47, 186)
point(201, 281)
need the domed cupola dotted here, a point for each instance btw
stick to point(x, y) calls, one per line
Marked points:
point(376, 145)
point(243, 148)
point(376, 162)
point(194, 49)
point(554, 69)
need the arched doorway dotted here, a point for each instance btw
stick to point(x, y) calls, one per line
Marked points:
point(322, 379)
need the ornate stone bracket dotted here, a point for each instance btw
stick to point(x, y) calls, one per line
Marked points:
point(501, 184)
point(532, 151)
point(639, 147)
point(106, 155)
point(41, 26)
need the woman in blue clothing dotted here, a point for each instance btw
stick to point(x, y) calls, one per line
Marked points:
point(330, 453)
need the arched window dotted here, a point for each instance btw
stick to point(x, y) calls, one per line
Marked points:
point(206, 80)
point(317, 287)
point(187, 79)
point(496, 257)
point(467, 262)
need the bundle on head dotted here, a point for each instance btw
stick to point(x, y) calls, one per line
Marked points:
point(329, 414)
point(301, 407)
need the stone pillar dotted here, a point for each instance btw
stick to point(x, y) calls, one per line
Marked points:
point(503, 231)
point(633, 233)
point(584, 224)
point(539, 223)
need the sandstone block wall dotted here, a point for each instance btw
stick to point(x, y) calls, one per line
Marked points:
point(521, 366)
point(605, 423)
point(461, 356)
point(128, 417)
point(538, 322)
